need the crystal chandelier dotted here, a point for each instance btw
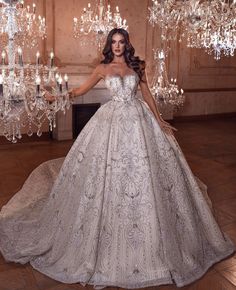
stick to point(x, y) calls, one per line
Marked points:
point(165, 92)
point(205, 24)
point(23, 85)
point(21, 20)
point(94, 25)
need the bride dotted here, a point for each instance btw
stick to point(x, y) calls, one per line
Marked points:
point(123, 209)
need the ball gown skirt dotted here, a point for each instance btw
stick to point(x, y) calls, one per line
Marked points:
point(123, 208)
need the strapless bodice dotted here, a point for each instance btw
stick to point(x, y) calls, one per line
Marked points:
point(122, 88)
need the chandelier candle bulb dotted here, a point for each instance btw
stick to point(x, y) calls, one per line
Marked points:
point(66, 81)
point(34, 8)
point(60, 84)
point(3, 58)
point(1, 85)
point(20, 56)
point(38, 58)
point(117, 9)
point(161, 55)
point(38, 82)
point(56, 79)
point(51, 59)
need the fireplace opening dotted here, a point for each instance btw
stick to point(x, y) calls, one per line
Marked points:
point(81, 113)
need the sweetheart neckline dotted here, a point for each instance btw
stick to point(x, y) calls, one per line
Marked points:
point(119, 76)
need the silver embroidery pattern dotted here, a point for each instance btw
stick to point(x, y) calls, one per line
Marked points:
point(123, 208)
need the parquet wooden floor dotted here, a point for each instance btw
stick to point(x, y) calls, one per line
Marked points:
point(210, 148)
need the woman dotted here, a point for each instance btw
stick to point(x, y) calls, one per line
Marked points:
point(125, 209)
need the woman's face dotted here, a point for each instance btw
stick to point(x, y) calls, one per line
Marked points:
point(118, 44)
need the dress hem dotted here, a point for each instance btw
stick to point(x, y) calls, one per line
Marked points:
point(150, 283)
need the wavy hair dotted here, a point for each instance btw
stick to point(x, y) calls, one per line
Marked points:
point(133, 62)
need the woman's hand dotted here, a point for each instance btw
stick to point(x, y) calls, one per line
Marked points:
point(166, 127)
point(72, 93)
point(48, 97)
point(51, 98)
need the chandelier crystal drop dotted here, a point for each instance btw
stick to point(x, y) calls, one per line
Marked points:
point(23, 85)
point(205, 24)
point(93, 26)
point(164, 91)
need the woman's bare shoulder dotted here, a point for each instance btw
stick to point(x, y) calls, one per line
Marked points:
point(101, 69)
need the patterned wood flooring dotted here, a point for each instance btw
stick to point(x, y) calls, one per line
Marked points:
point(210, 148)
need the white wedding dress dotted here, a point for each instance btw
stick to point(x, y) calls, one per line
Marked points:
point(125, 209)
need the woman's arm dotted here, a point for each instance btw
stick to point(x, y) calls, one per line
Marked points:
point(149, 99)
point(94, 78)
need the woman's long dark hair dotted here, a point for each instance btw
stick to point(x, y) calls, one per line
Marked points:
point(133, 62)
